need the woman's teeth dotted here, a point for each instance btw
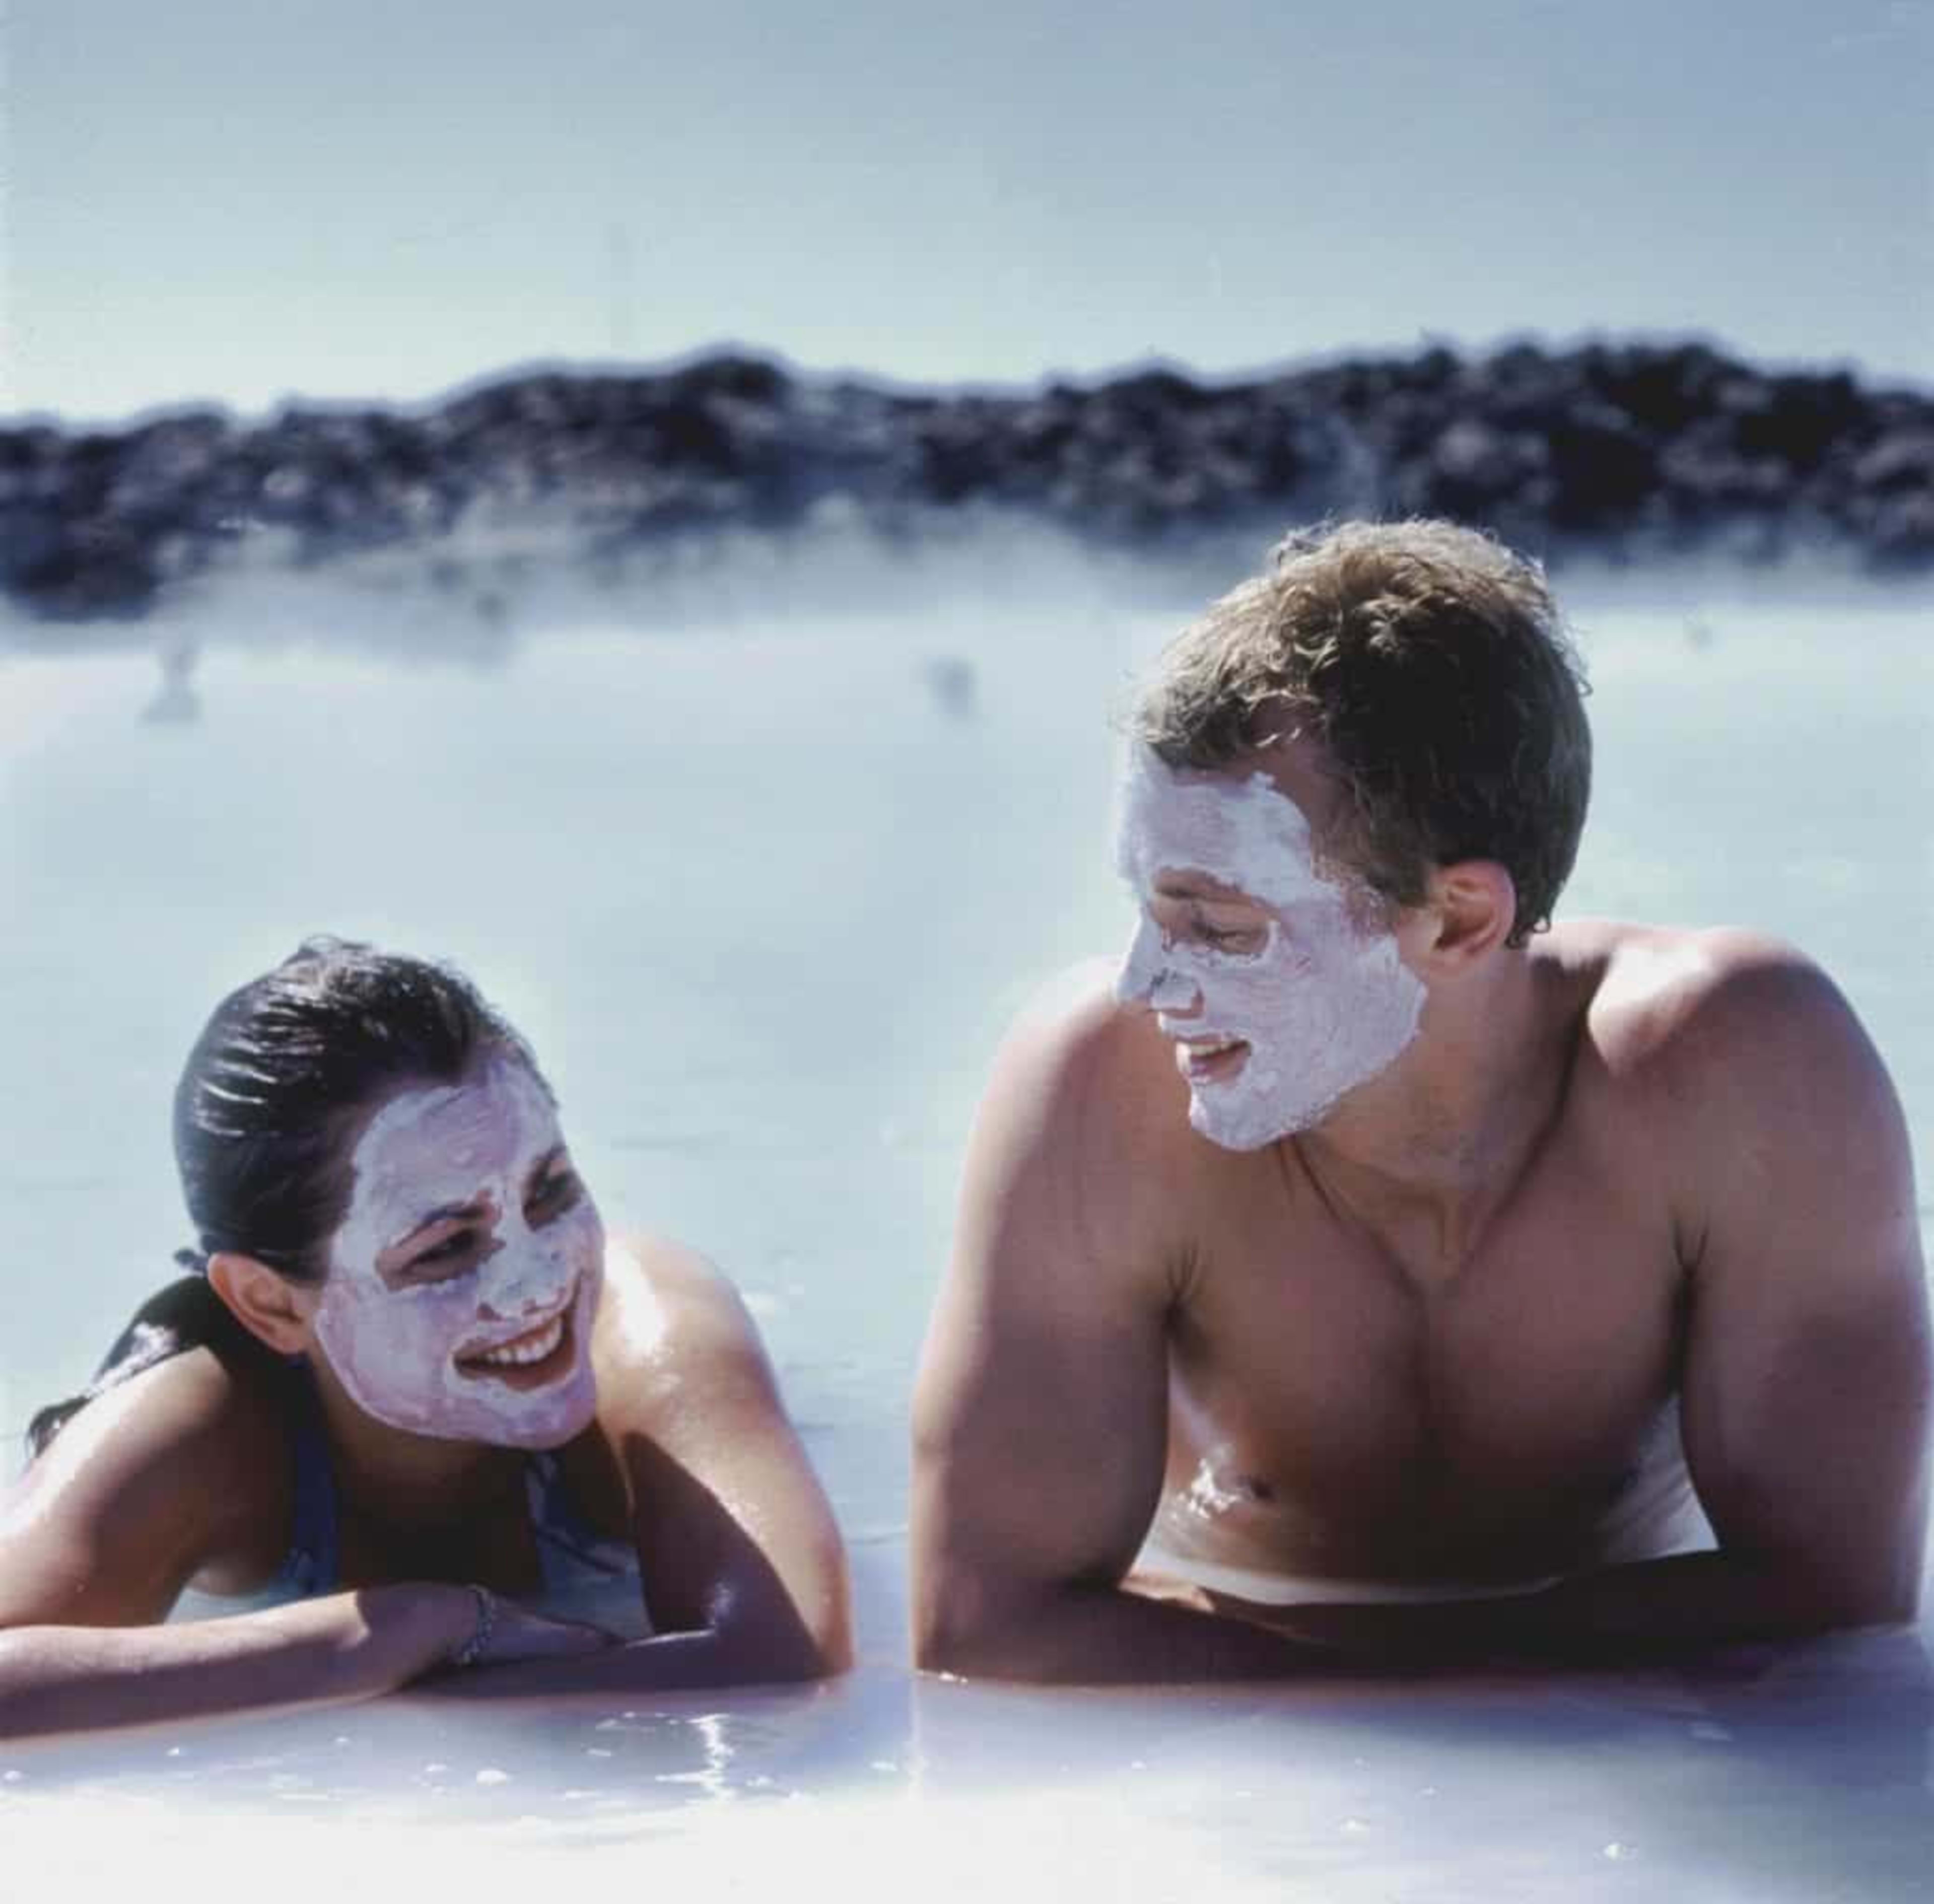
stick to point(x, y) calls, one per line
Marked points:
point(526, 1348)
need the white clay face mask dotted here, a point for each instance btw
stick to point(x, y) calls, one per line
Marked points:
point(1270, 1037)
point(463, 1281)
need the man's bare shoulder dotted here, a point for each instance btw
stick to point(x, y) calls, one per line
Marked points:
point(1082, 1143)
point(1679, 1001)
point(1075, 1062)
point(1720, 1036)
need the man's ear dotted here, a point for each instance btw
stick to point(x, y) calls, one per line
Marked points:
point(1473, 905)
point(263, 1300)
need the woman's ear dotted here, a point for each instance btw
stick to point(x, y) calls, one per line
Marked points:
point(1473, 904)
point(273, 1310)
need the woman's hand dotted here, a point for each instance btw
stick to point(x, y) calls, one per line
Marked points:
point(507, 1632)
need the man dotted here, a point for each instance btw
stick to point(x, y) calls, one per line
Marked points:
point(1374, 1277)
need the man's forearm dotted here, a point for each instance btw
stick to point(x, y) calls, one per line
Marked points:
point(1646, 1609)
point(1106, 1636)
point(1649, 1609)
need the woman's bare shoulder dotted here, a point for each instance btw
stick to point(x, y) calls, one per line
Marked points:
point(669, 1316)
point(175, 1472)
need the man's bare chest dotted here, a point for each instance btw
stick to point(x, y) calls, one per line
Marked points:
point(1327, 1392)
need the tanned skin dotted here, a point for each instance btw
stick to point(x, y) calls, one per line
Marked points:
point(181, 1477)
point(1616, 1166)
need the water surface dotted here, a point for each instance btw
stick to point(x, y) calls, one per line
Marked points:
point(763, 891)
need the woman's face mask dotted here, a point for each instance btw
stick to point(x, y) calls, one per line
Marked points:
point(463, 1281)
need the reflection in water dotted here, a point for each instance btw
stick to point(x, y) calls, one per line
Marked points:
point(175, 703)
point(951, 680)
point(1771, 1775)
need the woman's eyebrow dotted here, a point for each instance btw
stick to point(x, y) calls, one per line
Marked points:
point(470, 1209)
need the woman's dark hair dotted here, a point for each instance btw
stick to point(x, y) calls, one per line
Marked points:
point(283, 1072)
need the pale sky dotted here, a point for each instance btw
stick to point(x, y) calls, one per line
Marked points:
point(241, 199)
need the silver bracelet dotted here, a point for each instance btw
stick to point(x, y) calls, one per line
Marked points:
point(473, 1649)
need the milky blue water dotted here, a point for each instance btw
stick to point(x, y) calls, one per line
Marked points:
point(763, 890)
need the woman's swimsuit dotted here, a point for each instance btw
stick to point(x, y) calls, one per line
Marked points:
point(571, 1553)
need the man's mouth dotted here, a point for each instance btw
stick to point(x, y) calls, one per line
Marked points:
point(1210, 1060)
point(538, 1356)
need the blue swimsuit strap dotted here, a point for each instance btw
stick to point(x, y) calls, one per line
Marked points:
point(312, 1564)
point(568, 1546)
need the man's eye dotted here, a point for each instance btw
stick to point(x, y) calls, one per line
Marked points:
point(1240, 940)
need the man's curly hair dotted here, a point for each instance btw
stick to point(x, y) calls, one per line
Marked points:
point(1430, 665)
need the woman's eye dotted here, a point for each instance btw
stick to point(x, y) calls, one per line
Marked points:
point(555, 1195)
point(447, 1250)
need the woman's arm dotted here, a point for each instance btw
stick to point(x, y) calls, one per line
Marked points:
point(743, 1569)
point(347, 1646)
point(143, 1489)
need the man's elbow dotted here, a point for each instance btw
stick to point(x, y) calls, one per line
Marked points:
point(1892, 1602)
point(943, 1640)
point(1826, 1599)
point(964, 1625)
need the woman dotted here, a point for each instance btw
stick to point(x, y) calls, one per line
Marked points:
point(409, 1385)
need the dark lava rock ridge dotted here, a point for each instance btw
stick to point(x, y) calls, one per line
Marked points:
point(1629, 451)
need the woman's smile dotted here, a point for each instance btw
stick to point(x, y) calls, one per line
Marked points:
point(533, 1360)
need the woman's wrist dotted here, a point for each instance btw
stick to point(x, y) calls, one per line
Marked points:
point(473, 1650)
point(421, 1624)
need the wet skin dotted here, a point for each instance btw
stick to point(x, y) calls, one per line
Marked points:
point(1432, 1338)
point(1372, 1401)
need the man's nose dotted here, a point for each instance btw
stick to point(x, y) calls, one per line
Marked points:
point(1146, 979)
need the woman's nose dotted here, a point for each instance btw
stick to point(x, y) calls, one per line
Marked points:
point(527, 1282)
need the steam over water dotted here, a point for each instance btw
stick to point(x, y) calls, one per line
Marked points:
point(763, 890)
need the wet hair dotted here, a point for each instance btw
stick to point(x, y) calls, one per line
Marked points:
point(284, 1074)
point(1430, 665)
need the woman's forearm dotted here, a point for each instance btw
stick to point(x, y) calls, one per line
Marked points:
point(343, 1646)
point(667, 1662)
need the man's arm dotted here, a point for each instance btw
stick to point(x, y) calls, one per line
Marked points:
point(1806, 1383)
point(1041, 1422)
